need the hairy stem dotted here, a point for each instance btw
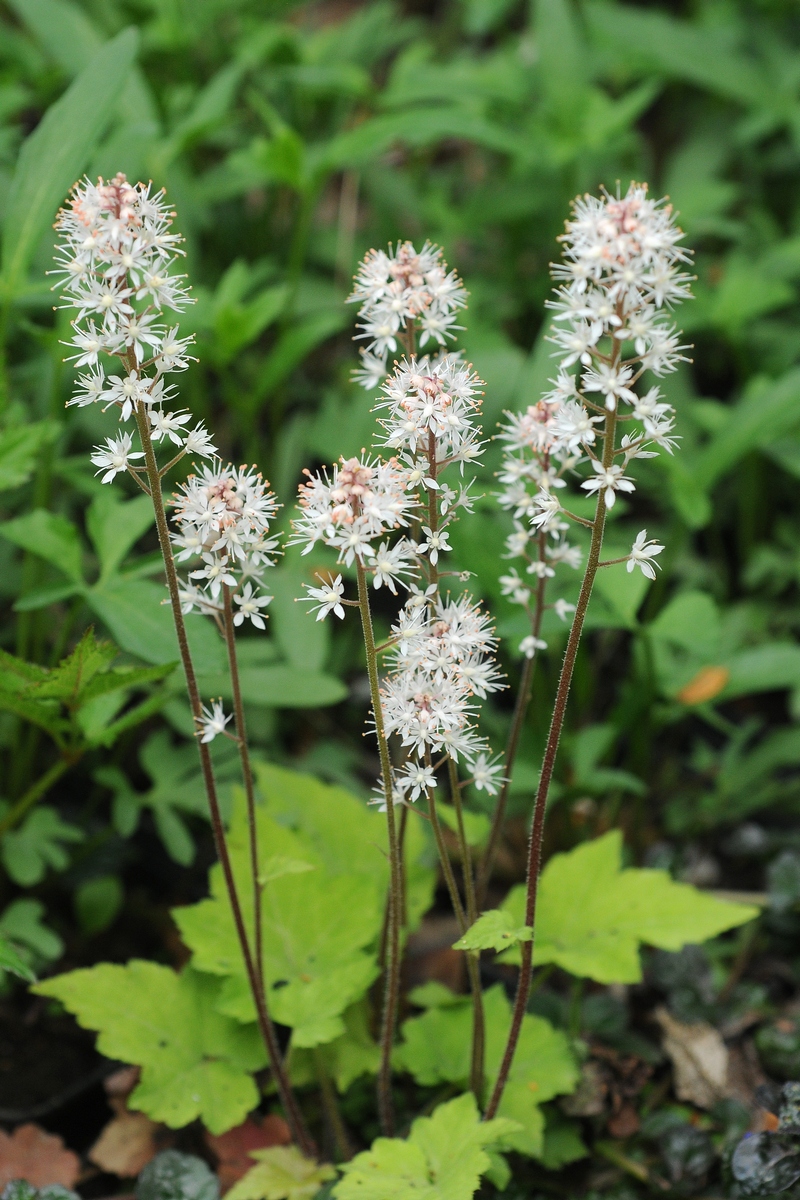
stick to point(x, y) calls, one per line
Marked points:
point(447, 869)
point(247, 775)
point(291, 1107)
point(514, 735)
point(548, 762)
point(331, 1108)
point(392, 976)
point(473, 957)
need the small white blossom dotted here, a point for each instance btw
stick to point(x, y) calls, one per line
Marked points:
point(115, 457)
point(530, 644)
point(329, 598)
point(213, 722)
point(487, 776)
point(642, 553)
point(417, 780)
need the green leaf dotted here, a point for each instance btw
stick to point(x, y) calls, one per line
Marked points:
point(54, 155)
point(142, 625)
point(622, 591)
point(45, 596)
point(494, 930)
point(11, 961)
point(612, 911)
point(195, 1062)
point(27, 852)
point(477, 826)
point(22, 924)
point(304, 642)
point(62, 29)
point(115, 527)
point(19, 450)
point(281, 1173)
point(49, 535)
point(562, 58)
point(278, 687)
point(443, 1158)
point(97, 902)
point(77, 671)
point(172, 1175)
point(341, 833)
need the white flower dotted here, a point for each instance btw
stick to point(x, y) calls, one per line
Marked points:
point(390, 564)
point(213, 722)
point(198, 441)
point(642, 551)
point(329, 598)
point(90, 389)
point(168, 425)
point(115, 457)
point(562, 609)
point(217, 571)
point(435, 541)
point(250, 605)
point(487, 776)
point(608, 480)
point(530, 644)
point(417, 779)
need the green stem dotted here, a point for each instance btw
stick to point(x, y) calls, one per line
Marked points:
point(548, 763)
point(447, 869)
point(330, 1104)
point(37, 789)
point(291, 1107)
point(247, 775)
point(392, 985)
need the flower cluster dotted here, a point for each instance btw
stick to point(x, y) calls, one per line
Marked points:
point(536, 459)
point(115, 266)
point(443, 658)
point(354, 509)
point(402, 291)
point(621, 273)
point(223, 517)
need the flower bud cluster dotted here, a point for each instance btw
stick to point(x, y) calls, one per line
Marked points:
point(223, 517)
point(115, 265)
point(442, 659)
point(401, 290)
point(621, 273)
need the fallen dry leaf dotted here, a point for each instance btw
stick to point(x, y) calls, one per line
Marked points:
point(127, 1144)
point(233, 1149)
point(707, 683)
point(40, 1157)
point(119, 1085)
point(699, 1057)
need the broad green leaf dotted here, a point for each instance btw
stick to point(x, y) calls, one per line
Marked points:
point(97, 902)
point(612, 911)
point(494, 930)
point(50, 536)
point(758, 419)
point(476, 825)
point(54, 155)
point(436, 1050)
point(141, 624)
point(278, 687)
point(115, 527)
point(622, 591)
point(22, 924)
point(416, 127)
point(62, 29)
point(345, 834)
point(19, 450)
point(281, 1173)
point(562, 59)
point(766, 668)
point(77, 671)
point(316, 928)
point(443, 1158)
point(195, 1062)
point(304, 642)
point(39, 843)
point(45, 596)
point(10, 961)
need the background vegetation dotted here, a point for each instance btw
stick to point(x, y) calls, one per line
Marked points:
point(291, 138)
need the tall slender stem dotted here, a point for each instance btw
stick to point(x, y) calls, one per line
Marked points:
point(548, 762)
point(293, 1114)
point(514, 735)
point(392, 985)
point(473, 957)
point(447, 869)
point(247, 775)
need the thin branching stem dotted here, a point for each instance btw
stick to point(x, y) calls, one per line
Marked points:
point(473, 958)
point(247, 775)
point(267, 1029)
point(392, 975)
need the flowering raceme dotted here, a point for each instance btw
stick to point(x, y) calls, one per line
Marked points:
point(399, 292)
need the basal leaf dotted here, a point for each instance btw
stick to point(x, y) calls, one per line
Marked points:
point(115, 527)
point(443, 1158)
point(195, 1062)
point(279, 687)
point(494, 930)
point(11, 961)
point(316, 930)
point(281, 1173)
point(22, 924)
point(37, 844)
point(476, 825)
point(436, 1050)
point(77, 671)
point(54, 155)
point(612, 911)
